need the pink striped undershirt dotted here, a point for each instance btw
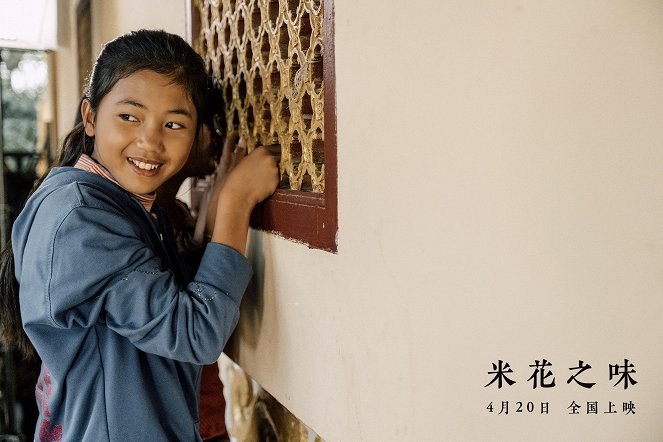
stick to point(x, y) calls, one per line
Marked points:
point(88, 164)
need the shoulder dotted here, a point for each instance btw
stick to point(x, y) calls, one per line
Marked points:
point(70, 218)
point(68, 188)
point(72, 198)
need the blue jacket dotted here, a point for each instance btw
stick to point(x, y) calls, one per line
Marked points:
point(120, 338)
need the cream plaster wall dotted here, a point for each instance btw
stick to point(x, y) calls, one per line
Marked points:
point(499, 196)
point(113, 18)
point(110, 18)
point(500, 169)
point(66, 68)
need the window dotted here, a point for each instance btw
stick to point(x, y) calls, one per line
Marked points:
point(27, 129)
point(273, 62)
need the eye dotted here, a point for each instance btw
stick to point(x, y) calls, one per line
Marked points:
point(127, 117)
point(174, 125)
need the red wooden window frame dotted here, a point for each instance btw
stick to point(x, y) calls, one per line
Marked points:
point(306, 217)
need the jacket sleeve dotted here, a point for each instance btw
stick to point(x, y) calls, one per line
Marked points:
point(102, 271)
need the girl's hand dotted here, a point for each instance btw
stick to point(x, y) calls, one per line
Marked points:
point(253, 177)
point(228, 159)
point(234, 151)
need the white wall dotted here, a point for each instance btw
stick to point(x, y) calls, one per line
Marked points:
point(499, 198)
point(500, 169)
point(113, 18)
point(67, 89)
point(110, 18)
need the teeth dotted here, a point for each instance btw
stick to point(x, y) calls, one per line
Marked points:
point(144, 166)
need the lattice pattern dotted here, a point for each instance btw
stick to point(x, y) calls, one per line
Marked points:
point(266, 56)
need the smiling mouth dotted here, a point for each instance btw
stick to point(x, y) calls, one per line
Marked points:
point(143, 165)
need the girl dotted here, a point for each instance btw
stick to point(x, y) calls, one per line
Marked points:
point(103, 296)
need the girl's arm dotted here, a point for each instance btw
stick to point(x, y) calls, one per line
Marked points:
point(89, 263)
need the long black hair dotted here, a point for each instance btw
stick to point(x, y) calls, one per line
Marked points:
point(144, 50)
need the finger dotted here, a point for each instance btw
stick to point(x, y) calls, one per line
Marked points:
point(274, 150)
point(228, 150)
point(231, 140)
point(240, 151)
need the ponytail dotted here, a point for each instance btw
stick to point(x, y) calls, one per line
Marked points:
point(11, 325)
point(74, 145)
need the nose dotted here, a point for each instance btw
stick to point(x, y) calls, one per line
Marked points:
point(150, 137)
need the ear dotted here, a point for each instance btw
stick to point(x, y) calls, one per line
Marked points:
point(88, 117)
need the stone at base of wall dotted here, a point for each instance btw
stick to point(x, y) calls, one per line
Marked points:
point(253, 415)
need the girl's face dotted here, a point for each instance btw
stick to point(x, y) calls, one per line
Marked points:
point(143, 130)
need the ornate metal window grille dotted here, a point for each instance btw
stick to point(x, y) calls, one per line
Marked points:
point(273, 62)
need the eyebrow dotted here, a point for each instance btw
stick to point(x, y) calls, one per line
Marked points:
point(178, 111)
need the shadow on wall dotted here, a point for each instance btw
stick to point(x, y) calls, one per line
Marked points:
point(253, 305)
